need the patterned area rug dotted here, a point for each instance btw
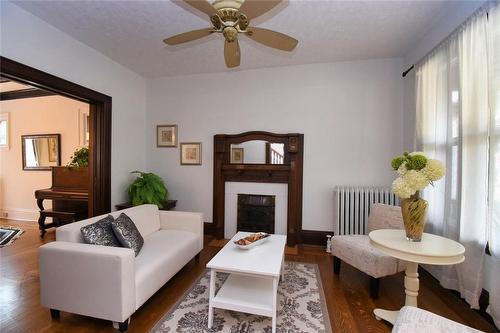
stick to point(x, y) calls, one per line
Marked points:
point(9, 234)
point(301, 307)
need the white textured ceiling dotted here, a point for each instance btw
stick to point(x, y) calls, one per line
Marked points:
point(131, 32)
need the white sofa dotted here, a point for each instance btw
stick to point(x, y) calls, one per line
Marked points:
point(110, 282)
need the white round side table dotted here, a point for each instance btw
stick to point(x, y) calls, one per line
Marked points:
point(433, 249)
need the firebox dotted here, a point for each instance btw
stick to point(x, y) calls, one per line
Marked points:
point(256, 213)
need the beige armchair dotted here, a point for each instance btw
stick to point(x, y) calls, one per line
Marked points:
point(357, 251)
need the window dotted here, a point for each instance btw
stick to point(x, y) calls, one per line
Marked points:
point(4, 130)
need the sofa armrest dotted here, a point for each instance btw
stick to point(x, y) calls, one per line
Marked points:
point(91, 280)
point(186, 221)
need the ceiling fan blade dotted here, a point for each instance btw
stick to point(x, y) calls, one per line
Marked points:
point(232, 53)
point(272, 38)
point(254, 8)
point(203, 6)
point(188, 36)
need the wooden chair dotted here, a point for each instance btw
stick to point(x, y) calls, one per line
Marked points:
point(357, 251)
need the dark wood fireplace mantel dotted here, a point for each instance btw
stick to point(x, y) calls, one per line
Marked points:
point(290, 173)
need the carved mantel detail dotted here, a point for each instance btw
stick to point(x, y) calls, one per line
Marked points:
point(290, 173)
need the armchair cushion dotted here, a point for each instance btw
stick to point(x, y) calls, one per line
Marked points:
point(414, 320)
point(100, 233)
point(384, 216)
point(127, 233)
point(357, 251)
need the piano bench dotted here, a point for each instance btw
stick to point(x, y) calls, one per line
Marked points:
point(58, 219)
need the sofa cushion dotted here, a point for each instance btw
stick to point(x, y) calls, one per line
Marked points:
point(164, 253)
point(414, 320)
point(127, 234)
point(357, 251)
point(100, 233)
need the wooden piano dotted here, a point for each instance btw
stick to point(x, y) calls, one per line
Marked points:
point(69, 194)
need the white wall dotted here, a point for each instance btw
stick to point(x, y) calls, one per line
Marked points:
point(31, 41)
point(41, 115)
point(350, 114)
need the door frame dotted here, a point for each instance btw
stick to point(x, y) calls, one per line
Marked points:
point(100, 126)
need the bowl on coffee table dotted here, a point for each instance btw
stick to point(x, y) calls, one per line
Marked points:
point(251, 241)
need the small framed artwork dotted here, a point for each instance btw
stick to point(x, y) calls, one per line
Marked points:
point(237, 155)
point(190, 153)
point(166, 136)
point(83, 127)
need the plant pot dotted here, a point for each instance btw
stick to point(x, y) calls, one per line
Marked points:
point(414, 210)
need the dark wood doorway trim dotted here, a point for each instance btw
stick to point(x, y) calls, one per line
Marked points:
point(100, 125)
point(290, 173)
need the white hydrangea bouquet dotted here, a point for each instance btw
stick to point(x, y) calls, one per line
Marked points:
point(416, 171)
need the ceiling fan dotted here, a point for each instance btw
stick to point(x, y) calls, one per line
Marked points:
point(231, 18)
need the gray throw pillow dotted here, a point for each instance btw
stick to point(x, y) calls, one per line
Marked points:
point(100, 233)
point(127, 233)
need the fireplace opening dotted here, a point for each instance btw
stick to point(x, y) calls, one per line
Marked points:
point(256, 213)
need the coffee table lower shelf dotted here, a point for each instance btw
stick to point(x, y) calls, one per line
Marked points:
point(247, 294)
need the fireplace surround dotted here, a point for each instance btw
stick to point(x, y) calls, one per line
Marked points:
point(289, 172)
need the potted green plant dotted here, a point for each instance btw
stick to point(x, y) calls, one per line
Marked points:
point(80, 158)
point(147, 188)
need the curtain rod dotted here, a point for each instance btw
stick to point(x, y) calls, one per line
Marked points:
point(444, 40)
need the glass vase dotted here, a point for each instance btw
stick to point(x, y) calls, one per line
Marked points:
point(414, 210)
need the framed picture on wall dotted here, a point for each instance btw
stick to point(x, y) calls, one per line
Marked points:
point(166, 136)
point(83, 127)
point(190, 153)
point(237, 155)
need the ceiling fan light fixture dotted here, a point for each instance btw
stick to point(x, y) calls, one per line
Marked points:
point(232, 17)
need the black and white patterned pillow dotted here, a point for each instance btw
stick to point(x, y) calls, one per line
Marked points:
point(127, 233)
point(100, 233)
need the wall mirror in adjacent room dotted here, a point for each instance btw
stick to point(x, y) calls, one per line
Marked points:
point(41, 151)
point(257, 152)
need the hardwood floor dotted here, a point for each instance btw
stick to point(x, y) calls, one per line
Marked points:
point(349, 305)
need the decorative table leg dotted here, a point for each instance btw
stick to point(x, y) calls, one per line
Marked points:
point(275, 303)
point(411, 291)
point(211, 297)
point(411, 284)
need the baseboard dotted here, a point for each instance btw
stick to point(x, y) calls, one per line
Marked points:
point(19, 214)
point(309, 237)
point(314, 237)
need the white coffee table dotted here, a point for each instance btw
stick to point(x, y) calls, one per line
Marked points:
point(433, 249)
point(252, 286)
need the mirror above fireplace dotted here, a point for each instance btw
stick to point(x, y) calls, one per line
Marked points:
point(257, 152)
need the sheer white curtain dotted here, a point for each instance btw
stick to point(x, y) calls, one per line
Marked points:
point(453, 126)
point(494, 97)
